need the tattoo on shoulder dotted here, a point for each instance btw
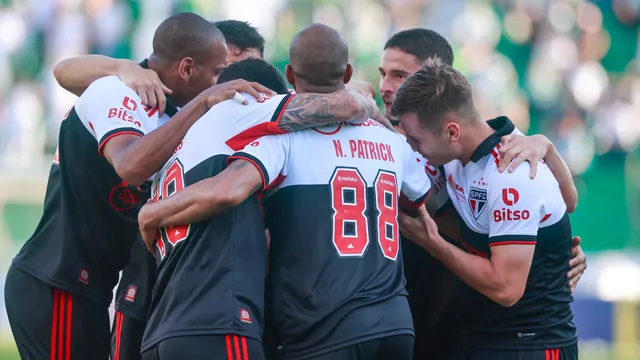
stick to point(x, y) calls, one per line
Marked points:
point(238, 164)
point(310, 110)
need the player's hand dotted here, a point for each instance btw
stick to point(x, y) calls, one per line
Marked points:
point(146, 83)
point(228, 90)
point(422, 229)
point(520, 148)
point(578, 263)
point(147, 229)
point(361, 86)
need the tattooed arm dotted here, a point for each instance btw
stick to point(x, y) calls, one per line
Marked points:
point(201, 200)
point(309, 110)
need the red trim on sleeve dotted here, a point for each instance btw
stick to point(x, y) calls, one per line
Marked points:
point(512, 243)
point(413, 205)
point(282, 108)
point(124, 132)
point(233, 158)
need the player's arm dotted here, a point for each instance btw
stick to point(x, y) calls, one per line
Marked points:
point(309, 110)
point(136, 158)
point(516, 149)
point(503, 276)
point(249, 171)
point(76, 74)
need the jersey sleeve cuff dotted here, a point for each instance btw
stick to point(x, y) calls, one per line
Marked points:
point(253, 160)
point(512, 240)
point(116, 132)
point(277, 115)
point(412, 204)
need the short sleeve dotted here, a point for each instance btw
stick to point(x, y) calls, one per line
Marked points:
point(268, 154)
point(438, 192)
point(415, 182)
point(515, 203)
point(109, 108)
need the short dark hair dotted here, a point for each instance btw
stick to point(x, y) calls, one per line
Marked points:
point(256, 70)
point(241, 34)
point(184, 34)
point(434, 90)
point(423, 44)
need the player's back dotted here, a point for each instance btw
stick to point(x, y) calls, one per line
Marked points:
point(90, 214)
point(211, 274)
point(335, 259)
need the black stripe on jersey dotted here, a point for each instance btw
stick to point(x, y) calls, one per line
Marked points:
point(255, 161)
point(114, 133)
point(280, 109)
point(512, 240)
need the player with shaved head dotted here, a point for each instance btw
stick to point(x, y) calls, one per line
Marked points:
point(332, 199)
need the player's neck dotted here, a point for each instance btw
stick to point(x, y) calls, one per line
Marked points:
point(302, 87)
point(472, 137)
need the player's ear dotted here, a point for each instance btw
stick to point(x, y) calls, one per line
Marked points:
point(348, 74)
point(453, 131)
point(288, 72)
point(185, 68)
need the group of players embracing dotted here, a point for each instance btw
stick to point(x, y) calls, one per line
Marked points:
point(273, 217)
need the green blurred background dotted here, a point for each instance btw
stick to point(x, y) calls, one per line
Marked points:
point(566, 68)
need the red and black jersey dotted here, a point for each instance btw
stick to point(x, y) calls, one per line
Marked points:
point(210, 277)
point(89, 222)
point(332, 211)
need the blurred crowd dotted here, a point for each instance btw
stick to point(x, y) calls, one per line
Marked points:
point(566, 68)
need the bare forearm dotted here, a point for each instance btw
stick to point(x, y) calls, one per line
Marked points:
point(148, 154)
point(563, 175)
point(475, 271)
point(186, 207)
point(76, 74)
point(311, 110)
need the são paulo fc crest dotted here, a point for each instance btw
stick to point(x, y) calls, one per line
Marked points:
point(477, 201)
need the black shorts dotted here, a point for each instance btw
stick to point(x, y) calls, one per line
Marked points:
point(49, 323)
point(126, 337)
point(215, 347)
point(566, 353)
point(399, 347)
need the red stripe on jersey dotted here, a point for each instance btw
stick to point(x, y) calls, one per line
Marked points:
point(69, 319)
point(63, 300)
point(282, 110)
point(125, 132)
point(54, 326)
point(275, 183)
point(243, 139)
point(151, 112)
point(245, 351)
point(547, 355)
point(227, 339)
point(545, 218)
point(520, 242)
point(237, 347)
point(494, 152)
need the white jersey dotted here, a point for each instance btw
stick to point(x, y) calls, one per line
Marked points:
point(332, 211)
point(207, 262)
point(513, 209)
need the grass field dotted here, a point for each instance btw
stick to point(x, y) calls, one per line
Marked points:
point(8, 351)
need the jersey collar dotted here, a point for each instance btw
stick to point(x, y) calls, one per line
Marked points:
point(503, 126)
point(171, 109)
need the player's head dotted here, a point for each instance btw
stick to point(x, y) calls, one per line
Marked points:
point(436, 110)
point(318, 60)
point(243, 40)
point(189, 53)
point(256, 70)
point(404, 54)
